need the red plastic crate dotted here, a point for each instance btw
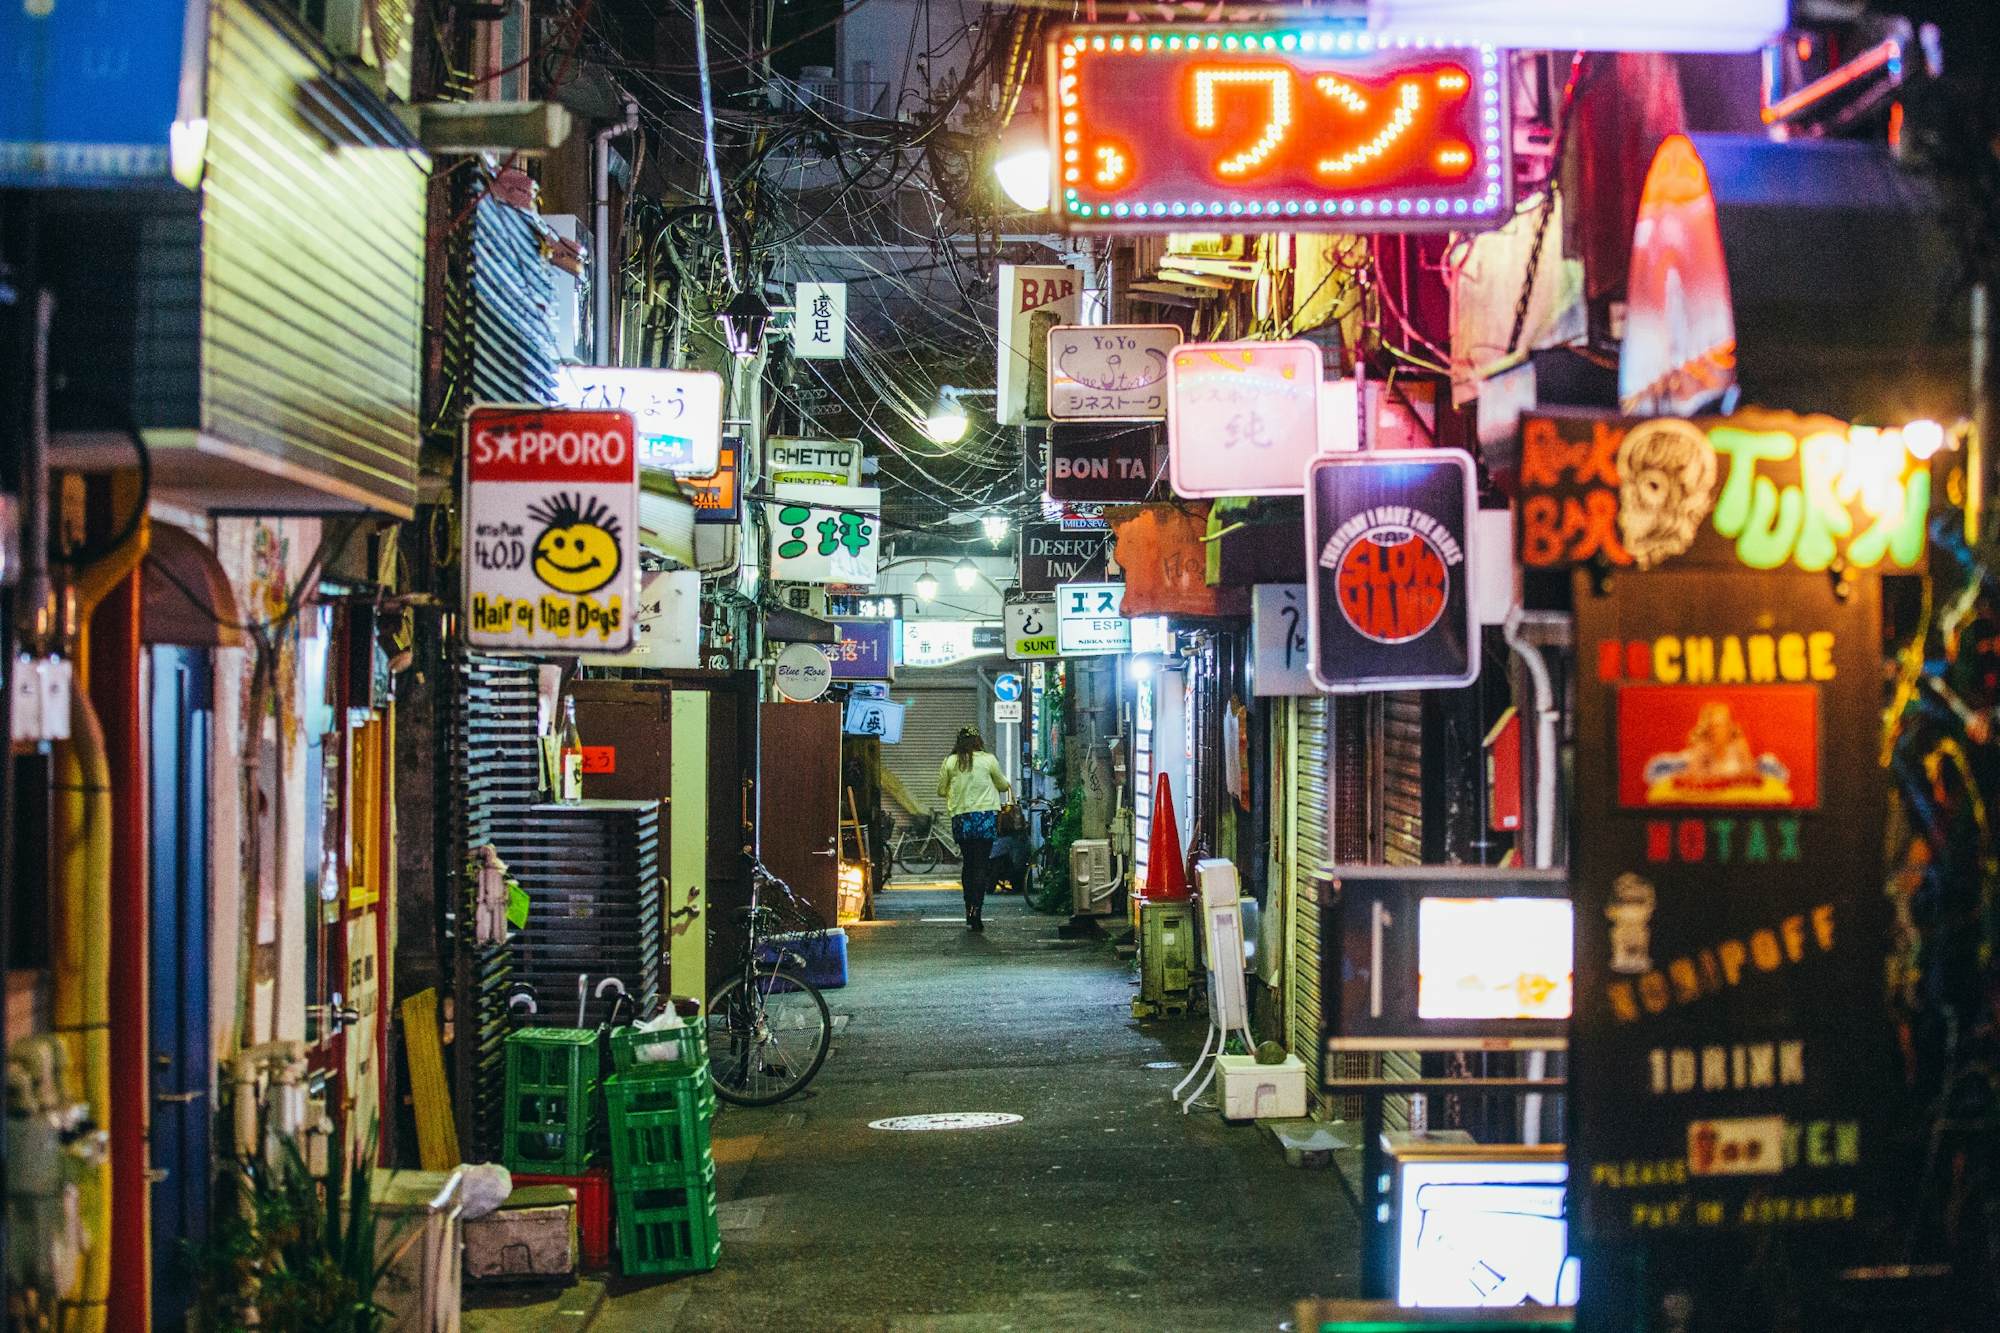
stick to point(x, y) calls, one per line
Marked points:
point(593, 1211)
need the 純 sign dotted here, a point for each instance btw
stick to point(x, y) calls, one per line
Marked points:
point(550, 553)
point(1030, 625)
point(1088, 619)
point(1051, 556)
point(1103, 464)
point(1387, 598)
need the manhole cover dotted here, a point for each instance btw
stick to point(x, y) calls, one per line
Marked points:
point(947, 1120)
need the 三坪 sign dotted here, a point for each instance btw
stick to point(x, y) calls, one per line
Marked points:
point(678, 413)
point(863, 649)
point(550, 554)
point(1334, 126)
point(1088, 620)
point(1103, 464)
point(1388, 603)
point(814, 462)
point(1051, 556)
point(1735, 1065)
point(1029, 620)
point(824, 534)
point(1034, 298)
point(1757, 490)
point(819, 321)
point(1244, 418)
point(1110, 372)
point(1278, 642)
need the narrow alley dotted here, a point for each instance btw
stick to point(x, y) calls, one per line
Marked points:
point(1104, 1208)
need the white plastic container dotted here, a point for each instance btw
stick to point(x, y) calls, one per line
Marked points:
point(1251, 1091)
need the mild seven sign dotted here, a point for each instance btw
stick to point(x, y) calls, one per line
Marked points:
point(1387, 597)
point(551, 540)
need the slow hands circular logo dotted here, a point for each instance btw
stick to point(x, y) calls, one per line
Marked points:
point(1391, 579)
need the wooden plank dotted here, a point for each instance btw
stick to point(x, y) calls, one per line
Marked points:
point(437, 1133)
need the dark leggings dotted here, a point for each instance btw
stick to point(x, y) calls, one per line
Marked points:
point(975, 871)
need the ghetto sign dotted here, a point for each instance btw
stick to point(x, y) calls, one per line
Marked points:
point(550, 551)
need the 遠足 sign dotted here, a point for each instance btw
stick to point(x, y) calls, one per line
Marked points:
point(550, 554)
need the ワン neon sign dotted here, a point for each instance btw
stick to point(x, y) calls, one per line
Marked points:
point(1179, 126)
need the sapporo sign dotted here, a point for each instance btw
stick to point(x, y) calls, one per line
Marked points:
point(1387, 597)
point(1051, 556)
point(1733, 1059)
point(1757, 490)
point(550, 552)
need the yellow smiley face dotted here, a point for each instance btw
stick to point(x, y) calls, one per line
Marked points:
point(578, 550)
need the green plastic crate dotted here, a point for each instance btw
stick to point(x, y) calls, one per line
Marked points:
point(551, 1108)
point(687, 1051)
point(669, 1227)
point(658, 1125)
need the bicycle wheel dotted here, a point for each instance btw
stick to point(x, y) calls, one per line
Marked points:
point(766, 1038)
point(919, 856)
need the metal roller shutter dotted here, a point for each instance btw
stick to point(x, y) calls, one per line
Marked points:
point(930, 726)
point(1312, 864)
point(1402, 782)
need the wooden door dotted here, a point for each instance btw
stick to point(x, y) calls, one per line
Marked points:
point(798, 791)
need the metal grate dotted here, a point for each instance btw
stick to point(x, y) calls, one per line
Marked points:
point(1402, 778)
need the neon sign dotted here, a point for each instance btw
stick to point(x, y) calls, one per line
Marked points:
point(1177, 126)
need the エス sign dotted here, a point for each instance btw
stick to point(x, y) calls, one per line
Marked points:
point(1170, 128)
point(550, 552)
point(1387, 596)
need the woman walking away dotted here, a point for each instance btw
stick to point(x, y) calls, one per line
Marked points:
point(970, 781)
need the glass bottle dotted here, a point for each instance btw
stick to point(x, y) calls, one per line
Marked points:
point(569, 758)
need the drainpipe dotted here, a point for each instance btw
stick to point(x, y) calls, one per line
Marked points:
point(602, 352)
point(1545, 819)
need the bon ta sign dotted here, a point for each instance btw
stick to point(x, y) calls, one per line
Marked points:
point(550, 551)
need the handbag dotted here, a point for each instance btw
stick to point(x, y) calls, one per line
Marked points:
point(1011, 820)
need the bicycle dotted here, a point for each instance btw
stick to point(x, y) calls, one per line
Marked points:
point(925, 844)
point(769, 1030)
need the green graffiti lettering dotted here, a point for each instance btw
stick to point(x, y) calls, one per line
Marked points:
point(1826, 517)
point(1899, 531)
point(1745, 450)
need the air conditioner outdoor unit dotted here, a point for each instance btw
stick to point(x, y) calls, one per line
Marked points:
point(1090, 880)
point(377, 34)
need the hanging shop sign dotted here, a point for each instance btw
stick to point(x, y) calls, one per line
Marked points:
point(819, 321)
point(1110, 372)
point(1733, 1056)
point(1163, 553)
point(1051, 556)
point(934, 643)
point(1243, 417)
point(1034, 298)
point(1029, 621)
point(1388, 603)
point(717, 499)
point(1331, 126)
point(1278, 647)
point(1075, 515)
point(666, 632)
point(679, 412)
point(863, 649)
point(865, 606)
point(550, 552)
point(825, 534)
point(1088, 620)
point(1103, 465)
point(101, 101)
point(1678, 354)
point(802, 672)
point(814, 462)
point(1757, 490)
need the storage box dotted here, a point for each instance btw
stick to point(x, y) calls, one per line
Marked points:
point(825, 955)
point(418, 1236)
point(593, 1211)
point(532, 1235)
point(1251, 1091)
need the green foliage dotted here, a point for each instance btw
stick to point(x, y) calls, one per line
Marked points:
point(1052, 890)
point(302, 1258)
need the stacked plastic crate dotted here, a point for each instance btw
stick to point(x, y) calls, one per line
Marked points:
point(659, 1105)
point(551, 1112)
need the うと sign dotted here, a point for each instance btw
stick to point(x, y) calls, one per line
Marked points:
point(550, 550)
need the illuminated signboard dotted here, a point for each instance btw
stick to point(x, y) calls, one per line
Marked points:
point(1174, 126)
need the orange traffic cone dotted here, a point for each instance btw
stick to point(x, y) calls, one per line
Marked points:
point(1166, 875)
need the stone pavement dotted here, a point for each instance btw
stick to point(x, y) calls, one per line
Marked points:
point(1103, 1209)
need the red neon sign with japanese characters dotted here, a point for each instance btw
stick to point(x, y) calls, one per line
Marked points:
point(1186, 127)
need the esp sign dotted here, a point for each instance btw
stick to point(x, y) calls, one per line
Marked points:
point(1088, 620)
point(550, 551)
